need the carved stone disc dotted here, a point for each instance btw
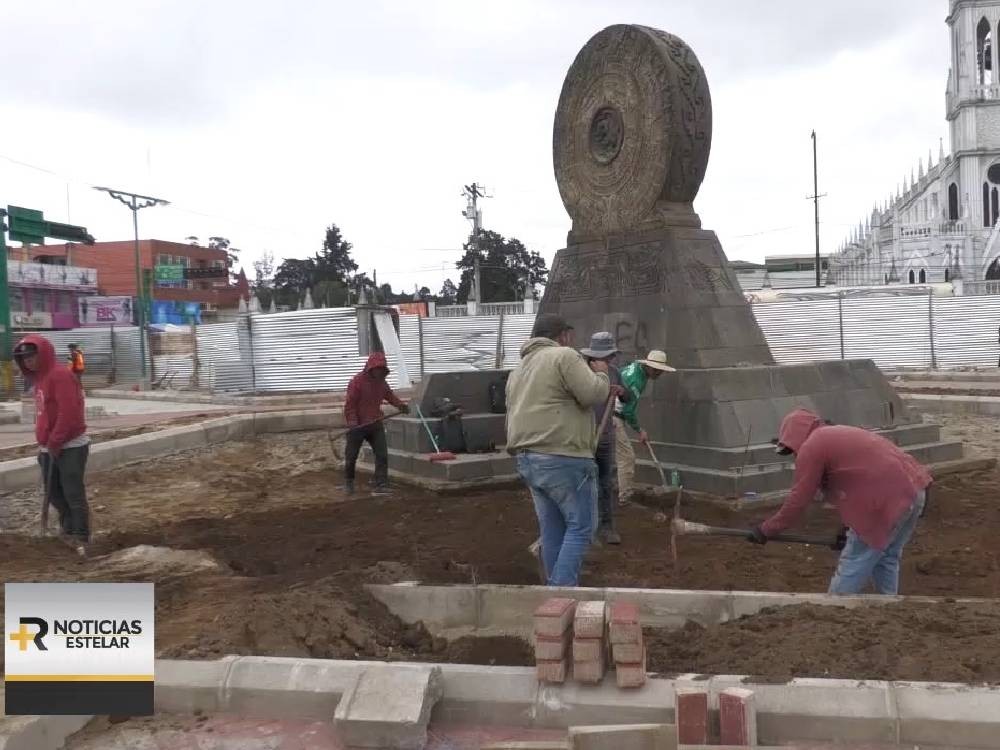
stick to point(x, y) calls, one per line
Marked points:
point(633, 128)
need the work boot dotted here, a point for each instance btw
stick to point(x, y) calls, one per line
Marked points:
point(381, 490)
point(349, 487)
point(608, 535)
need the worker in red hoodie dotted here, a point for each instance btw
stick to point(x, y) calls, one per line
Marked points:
point(363, 413)
point(61, 433)
point(878, 489)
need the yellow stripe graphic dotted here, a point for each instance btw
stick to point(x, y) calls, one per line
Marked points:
point(78, 678)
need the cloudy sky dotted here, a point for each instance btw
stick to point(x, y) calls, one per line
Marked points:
point(263, 122)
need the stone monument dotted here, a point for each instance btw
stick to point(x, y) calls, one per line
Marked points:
point(631, 142)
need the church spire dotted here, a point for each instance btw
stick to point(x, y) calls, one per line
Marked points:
point(920, 161)
point(941, 147)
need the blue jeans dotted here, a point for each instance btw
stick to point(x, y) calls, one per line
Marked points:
point(607, 481)
point(565, 493)
point(860, 563)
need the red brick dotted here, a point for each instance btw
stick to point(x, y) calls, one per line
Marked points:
point(554, 617)
point(737, 718)
point(625, 626)
point(553, 649)
point(551, 671)
point(692, 717)
point(632, 675)
point(628, 653)
point(589, 620)
point(589, 672)
point(588, 649)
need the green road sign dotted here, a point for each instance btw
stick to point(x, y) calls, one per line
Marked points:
point(68, 233)
point(29, 225)
point(26, 225)
point(169, 274)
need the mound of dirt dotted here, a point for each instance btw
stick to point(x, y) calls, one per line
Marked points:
point(323, 620)
point(157, 562)
point(940, 642)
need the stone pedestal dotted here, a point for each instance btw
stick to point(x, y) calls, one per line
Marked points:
point(668, 289)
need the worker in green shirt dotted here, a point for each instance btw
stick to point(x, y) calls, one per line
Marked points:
point(634, 378)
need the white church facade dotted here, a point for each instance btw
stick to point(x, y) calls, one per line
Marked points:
point(943, 224)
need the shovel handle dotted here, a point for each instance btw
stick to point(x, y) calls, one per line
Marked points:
point(686, 528)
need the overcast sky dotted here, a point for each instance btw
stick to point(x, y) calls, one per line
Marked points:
point(263, 122)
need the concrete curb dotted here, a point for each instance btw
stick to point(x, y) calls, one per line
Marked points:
point(933, 403)
point(463, 609)
point(804, 709)
point(23, 473)
point(38, 732)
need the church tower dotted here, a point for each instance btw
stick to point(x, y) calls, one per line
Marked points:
point(973, 111)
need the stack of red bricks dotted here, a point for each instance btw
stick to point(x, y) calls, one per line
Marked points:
point(584, 635)
point(553, 636)
point(627, 646)
point(737, 717)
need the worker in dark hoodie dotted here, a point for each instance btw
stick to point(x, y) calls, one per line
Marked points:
point(878, 489)
point(61, 433)
point(363, 414)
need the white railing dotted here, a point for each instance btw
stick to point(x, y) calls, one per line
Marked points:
point(23, 273)
point(980, 288)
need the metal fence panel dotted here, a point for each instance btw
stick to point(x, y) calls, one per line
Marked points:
point(965, 331)
point(409, 341)
point(97, 351)
point(224, 362)
point(800, 332)
point(516, 330)
point(892, 331)
point(307, 350)
point(452, 344)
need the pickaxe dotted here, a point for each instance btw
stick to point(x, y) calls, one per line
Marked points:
point(680, 527)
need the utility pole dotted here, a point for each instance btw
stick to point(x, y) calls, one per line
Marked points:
point(815, 199)
point(474, 214)
point(135, 203)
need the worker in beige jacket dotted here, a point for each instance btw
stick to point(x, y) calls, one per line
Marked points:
point(550, 428)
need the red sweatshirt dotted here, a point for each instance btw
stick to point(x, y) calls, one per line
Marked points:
point(61, 415)
point(870, 480)
point(366, 393)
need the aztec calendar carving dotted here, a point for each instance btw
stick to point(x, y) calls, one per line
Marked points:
point(633, 127)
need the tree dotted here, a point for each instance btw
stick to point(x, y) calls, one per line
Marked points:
point(292, 279)
point(334, 261)
point(263, 269)
point(262, 284)
point(424, 293)
point(506, 268)
point(449, 293)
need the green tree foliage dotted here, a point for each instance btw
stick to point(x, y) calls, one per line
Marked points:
point(506, 266)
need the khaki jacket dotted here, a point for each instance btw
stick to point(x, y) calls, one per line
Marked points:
point(550, 400)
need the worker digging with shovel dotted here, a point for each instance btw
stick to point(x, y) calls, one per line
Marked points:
point(363, 415)
point(878, 489)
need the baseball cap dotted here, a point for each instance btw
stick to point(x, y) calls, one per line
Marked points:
point(549, 326)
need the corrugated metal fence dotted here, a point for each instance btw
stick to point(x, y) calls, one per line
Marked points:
point(111, 354)
point(318, 349)
point(917, 331)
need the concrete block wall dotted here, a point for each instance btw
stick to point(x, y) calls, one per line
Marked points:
point(801, 710)
point(729, 407)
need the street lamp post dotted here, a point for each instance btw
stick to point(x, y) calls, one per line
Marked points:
point(134, 203)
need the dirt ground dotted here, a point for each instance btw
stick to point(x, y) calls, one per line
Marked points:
point(239, 536)
point(947, 642)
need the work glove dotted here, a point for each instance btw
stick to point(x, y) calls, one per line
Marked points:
point(841, 541)
point(756, 535)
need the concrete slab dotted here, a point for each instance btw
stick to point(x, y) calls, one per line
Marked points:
point(624, 737)
point(38, 732)
point(389, 708)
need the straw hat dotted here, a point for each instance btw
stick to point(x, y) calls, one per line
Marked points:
point(658, 361)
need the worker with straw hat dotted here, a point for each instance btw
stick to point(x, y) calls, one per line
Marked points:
point(634, 379)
